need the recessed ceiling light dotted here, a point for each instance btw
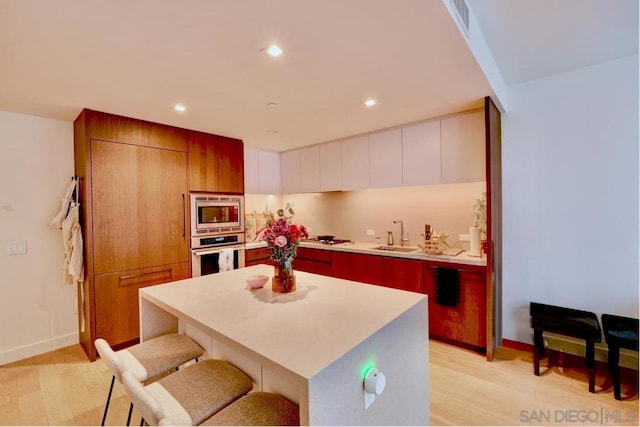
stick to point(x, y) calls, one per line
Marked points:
point(370, 102)
point(180, 108)
point(272, 105)
point(274, 50)
point(273, 131)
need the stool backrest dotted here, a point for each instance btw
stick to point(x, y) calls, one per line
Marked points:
point(110, 358)
point(148, 405)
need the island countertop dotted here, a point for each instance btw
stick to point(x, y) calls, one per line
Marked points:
point(313, 346)
point(304, 331)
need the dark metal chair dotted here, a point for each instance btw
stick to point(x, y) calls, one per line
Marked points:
point(619, 332)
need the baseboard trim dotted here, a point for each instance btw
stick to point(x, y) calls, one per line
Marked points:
point(572, 350)
point(40, 347)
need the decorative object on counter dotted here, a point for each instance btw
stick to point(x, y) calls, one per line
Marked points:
point(480, 207)
point(257, 281)
point(251, 226)
point(438, 245)
point(282, 238)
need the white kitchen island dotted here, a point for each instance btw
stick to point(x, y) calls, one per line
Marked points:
point(313, 346)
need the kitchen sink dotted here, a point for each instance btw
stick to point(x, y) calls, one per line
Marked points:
point(395, 249)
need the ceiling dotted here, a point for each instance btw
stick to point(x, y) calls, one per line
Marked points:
point(139, 58)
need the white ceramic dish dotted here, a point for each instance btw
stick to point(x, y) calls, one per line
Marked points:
point(257, 281)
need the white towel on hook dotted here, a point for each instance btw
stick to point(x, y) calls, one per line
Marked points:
point(225, 260)
point(65, 203)
point(73, 246)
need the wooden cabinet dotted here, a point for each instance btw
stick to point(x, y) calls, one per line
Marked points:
point(385, 156)
point(367, 269)
point(114, 291)
point(316, 261)
point(355, 163)
point(216, 163)
point(290, 171)
point(421, 154)
point(310, 169)
point(403, 274)
point(463, 148)
point(139, 199)
point(133, 191)
point(466, 322)
point(331, 166)
point(341, 265)
point(257, 256)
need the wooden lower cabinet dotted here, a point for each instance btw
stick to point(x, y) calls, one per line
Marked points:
point(367, 269)
point(318, 261)
point(404, 274)
point(341, 265)
point(257, 256)
point(116, 299)
point(466, 322)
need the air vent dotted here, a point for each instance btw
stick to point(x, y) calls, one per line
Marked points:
point(462, 12)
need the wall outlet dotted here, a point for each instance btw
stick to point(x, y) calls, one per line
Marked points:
point(464, 238)
point(18, 248)
point(371, 232)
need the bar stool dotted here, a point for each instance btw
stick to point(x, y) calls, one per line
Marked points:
point(619, 332)
point(257, 409)
point(190, 395)
point(147, 360)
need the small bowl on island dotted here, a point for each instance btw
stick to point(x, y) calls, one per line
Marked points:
point(257, 281)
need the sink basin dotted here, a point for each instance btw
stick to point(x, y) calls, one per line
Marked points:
point(395, 249)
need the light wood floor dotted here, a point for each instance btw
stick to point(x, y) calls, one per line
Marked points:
point(63, 388)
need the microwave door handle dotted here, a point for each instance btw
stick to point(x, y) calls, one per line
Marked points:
point(209, 252)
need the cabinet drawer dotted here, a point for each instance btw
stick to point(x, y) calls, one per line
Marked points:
point(116, 299)
point(256, 255)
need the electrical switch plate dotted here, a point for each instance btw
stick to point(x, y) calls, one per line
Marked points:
point(371, 232)
point(464, 238)
point(18, 248)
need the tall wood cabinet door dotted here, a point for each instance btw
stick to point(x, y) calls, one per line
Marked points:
point(139, 207)
point(203, 162)
point(230, 155)
point(116, 299)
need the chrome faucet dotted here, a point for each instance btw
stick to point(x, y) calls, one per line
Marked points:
point(403, 238)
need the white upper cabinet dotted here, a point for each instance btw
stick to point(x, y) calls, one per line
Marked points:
point(251, 172)
point(421, 154)
point(463, 148)
point(330, 167)
point(385, 159)
point(310, 169)
point(290, 171)
point(355, 163)
point(269, 172)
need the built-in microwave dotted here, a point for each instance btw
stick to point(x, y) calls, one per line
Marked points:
point(214, 214)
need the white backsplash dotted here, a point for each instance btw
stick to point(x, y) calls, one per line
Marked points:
point(447, 208)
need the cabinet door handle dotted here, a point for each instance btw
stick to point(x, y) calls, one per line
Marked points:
point(132, 276)
point(184, 218)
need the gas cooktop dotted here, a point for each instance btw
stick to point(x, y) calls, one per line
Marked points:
point(333, 241)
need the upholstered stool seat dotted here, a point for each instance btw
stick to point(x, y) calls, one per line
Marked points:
point(565, 321)
point(190, 395)
point(147, 360)
point(257, 409)
point(619, 332)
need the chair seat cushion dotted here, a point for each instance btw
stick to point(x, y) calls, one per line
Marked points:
point(218, 384)
point(257, 409)
point(159, 355)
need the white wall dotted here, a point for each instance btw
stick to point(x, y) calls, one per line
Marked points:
point(37, 311)
point(570, 194)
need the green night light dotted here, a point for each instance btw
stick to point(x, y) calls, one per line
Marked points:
point(366, 368)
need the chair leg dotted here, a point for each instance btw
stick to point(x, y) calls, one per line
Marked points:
point(130, 411)
point(591, 365)
point(614, 359)
point(538, 350)
point(106, 406)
